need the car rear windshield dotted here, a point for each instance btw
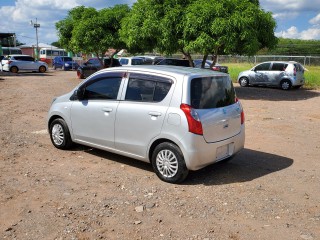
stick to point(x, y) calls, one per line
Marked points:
point(212, 92)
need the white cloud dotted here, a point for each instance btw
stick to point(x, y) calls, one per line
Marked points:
point(315, 20)
point(285, 15)
point(293, 32)
point(290, 5)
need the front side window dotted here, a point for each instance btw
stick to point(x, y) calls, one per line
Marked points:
point(212, 92)
point(103, 89)
point(263, 67)
point(147, 88)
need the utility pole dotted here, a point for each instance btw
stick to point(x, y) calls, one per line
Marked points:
point(36, 25)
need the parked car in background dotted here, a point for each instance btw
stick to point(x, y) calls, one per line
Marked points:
point(65, 63)
point(93, 65)
point(283, 74)
point(216, 67)
point(16, 63)
point(189, 117)
point(129, 61)
point(173, 62)
point(150, 59)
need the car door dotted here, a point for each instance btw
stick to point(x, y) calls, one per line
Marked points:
point(276, 73)
point(141, 114)
point(259, 74)
point(93, 117)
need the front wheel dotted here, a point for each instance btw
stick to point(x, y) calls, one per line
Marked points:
point(14, 69)
point(244, 82)
point(168, 163)
point(59, 134)
point(80, 75)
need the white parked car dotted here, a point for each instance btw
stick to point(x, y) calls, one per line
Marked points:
point(15, 63)
point(176, 118)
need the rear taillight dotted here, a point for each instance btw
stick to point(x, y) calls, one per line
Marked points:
point(242, 117)
point(215, 68)
point(9, 61)
point(294, 71)
point(194, 122)
point(242, 112)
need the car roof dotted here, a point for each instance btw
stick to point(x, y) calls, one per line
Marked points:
point(167, 70)
point(19, 55)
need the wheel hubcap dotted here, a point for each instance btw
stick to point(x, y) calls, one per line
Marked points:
point(57, 134)
point(167, 163)
point(285, 85)
point(243, 82)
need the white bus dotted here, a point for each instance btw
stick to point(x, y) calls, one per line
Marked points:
point(11, 50)
point(48, 54)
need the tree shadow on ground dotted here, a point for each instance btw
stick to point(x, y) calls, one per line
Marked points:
point(275, 94)
point(245, 166)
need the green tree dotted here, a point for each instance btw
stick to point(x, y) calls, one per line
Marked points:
point(202, 26)
point(90, 31)
point(228, 27)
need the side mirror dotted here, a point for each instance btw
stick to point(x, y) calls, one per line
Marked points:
point(78, 94)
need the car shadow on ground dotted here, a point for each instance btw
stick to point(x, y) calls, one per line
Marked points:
point(24, 74)
point(274, 94)
point(245, 166)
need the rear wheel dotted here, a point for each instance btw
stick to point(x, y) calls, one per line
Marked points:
point(14, 69)
point(59, 134)
point(244, 82)
point(285, 84)
point(42, 69)
point(168, 163)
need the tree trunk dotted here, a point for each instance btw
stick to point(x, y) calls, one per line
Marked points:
point(204, 59)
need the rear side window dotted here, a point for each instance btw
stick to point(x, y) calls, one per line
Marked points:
point(212, 92)
point(147, 88)
point(279, 66)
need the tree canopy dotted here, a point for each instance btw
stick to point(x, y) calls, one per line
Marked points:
point(170, 26)
point(203, 26)
point(90, 31)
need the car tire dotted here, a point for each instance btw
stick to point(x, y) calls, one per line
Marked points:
point(244, 82)
point(285, 84)
point(42, 69)
point(14, 69)
point(80, 75)
point(168, 163)
point(59, 134)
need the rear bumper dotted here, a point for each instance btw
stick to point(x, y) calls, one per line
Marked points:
point(199, 153)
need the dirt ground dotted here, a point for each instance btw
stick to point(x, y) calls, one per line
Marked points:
point(270, 190)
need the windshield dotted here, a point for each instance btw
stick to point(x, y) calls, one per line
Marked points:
point(212, 92)
point(66, 59)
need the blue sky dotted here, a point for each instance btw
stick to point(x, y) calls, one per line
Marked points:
point(298, 19)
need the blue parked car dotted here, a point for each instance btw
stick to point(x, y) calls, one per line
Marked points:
point(65, 63)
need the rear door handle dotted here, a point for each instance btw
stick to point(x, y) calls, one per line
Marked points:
point(155, 114)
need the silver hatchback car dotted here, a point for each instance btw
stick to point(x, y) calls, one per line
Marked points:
point(18, 62)
point(275, 73)
point(177, 118)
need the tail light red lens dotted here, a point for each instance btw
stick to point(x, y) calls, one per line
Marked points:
point(242, 112)
point(194, 122)
point(294, 72)
point(9, 61)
